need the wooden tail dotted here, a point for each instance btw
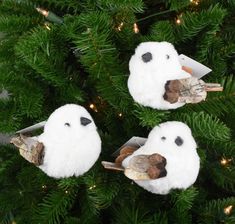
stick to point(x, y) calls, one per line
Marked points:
point(112, 166)
point(213, 87)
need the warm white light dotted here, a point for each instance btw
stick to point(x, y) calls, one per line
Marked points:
point(195, 2)
point(92, 106)
point(136, 28)
point(47, 26)
point(228, 210)
point(120, 114)
point(178, 21)
point(225, 162)
point(119, 28)
point(42, 11)
point(92, 187)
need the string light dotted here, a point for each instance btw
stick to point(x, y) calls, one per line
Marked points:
point(136, 28)
point(120, 114)
point(228, 210)
point(44, 186)
point(50, 16)
point(178, 21)
point(92, 187)
point(66, 192)
point(225, 162)
point(195, 2)
point(119, 28)
point(43, 11)
point(93, 107)
point(47, 26)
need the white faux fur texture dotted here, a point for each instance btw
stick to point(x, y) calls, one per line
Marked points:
point(147, 80)
point(70, 147)
point(183, 162)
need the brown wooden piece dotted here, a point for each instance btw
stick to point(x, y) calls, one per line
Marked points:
point(30, 149)
point(124, 152)
point(112, 166)
point(146, 167)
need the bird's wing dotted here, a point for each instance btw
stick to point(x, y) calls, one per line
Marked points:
point(189, 90)
point(117, 165)
point(30, 149)
point(193, 90)
point(146, 167)
point(172, 91)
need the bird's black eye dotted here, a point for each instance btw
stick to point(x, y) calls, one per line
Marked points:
point(163, 138)
point(179, 141)
point(147, 57)
point(67, 124)
point(167, 56)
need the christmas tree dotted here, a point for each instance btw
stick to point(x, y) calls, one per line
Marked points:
point(58, 52)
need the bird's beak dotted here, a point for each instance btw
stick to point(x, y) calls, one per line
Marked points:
point(85, 121)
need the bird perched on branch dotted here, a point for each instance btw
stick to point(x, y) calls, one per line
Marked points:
point(69, 145)
point(168, 160)
point(158, 80)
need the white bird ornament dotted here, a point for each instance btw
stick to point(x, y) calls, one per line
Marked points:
point(158, 80)
point(168, 160)
point(69, 145)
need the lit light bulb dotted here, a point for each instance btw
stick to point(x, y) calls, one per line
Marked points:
point(92, 187)
point(119, 28)
point(195, 2)
point(66, 192)
point(178, 21)
point(43, 11)
point(93, 107)
point(228, 210)
point(136, 28)
point(44, 186)
point(47, 26)
point(225, 162)
point(120, 114)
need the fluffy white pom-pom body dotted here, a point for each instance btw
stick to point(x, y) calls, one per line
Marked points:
point(70, 147)
point(148, 77)
point(183, 162)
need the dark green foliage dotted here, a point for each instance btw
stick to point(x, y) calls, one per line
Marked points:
point(205, 125)
point(178, 5)
point(161, 31)
point(44, 65)
point(55, 206)
point(149, 117)
point(212, 211)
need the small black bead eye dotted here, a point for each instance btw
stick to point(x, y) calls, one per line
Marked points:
point(167, 56)
point(67, 124)
point(147, 57)
point(179, 141)
point(163, 138)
